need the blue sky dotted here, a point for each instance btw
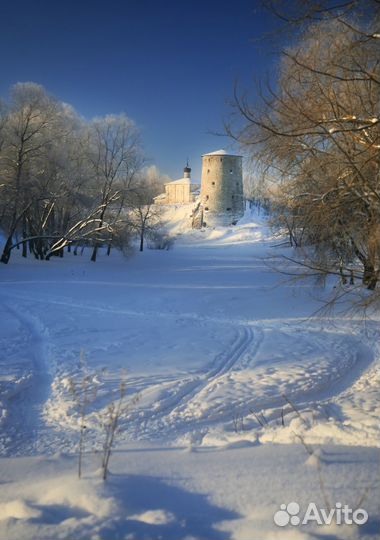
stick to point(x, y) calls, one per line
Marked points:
point(170, 66)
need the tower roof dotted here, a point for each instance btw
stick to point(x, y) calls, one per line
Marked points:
point(221, 152)
point(187, 169)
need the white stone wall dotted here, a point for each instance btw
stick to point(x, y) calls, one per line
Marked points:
point(177, 193)
point(222, 189)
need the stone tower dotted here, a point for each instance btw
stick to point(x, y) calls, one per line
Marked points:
point(222, 188)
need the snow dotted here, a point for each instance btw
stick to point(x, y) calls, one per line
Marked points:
point(154, 492)
point(240, 400)
point(18, 509)
point(154, 517)
point(184, 180)
point(221, 152)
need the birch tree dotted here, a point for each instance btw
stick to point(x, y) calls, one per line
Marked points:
point(115, 157)
point(63, 181)
point(30, 126)
point(144, 215)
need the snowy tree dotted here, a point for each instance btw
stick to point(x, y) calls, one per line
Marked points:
point(63, 180)
point(318, 133)
point(31, 127)
point(116, 157)
point(143, 214)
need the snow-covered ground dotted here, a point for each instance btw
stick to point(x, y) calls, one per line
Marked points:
point(240, 399)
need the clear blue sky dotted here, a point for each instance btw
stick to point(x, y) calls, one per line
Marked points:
point(169, 65)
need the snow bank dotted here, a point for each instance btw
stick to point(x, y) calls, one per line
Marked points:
point(155, 492)
point(238, 386)
point(18, 509)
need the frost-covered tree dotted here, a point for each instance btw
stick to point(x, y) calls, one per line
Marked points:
point(116, 157)
point(318, 134)
point(143, 215)
point(63, 180)
point(31, 128)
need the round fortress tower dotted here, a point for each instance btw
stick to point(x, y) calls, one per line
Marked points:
point(222, 188)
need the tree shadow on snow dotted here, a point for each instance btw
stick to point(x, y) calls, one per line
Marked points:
point(187, 514)
point(362, 455)
point(369, 530)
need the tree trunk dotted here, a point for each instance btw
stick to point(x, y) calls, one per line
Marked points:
point(7, 250)
point(94, 252)
point(370, 276)
point(142, 240)
point(372, 282)
point(96, 245)
point(16, 238)
point(24, 235)
point(343, 278)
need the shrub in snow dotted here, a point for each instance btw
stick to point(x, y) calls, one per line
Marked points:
point(159, 240)
point(110, 422)
point(83, 393)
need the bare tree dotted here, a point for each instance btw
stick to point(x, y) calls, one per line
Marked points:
point(116, 157)
point(31, 125)
point(143, 214)
point(318, 135)
point(63, 181)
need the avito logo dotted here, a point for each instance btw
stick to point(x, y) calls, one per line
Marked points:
point(340, 514)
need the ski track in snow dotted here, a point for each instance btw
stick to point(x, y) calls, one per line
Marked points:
point(182, 410)
point(168, 314)
point(21, 431)
point(177, 409)
point(187, 401)
point(225, 363)
point(174, 408)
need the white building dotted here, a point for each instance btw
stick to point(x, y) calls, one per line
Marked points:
point(180, 191)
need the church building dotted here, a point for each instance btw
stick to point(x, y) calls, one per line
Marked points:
point(180, 191)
